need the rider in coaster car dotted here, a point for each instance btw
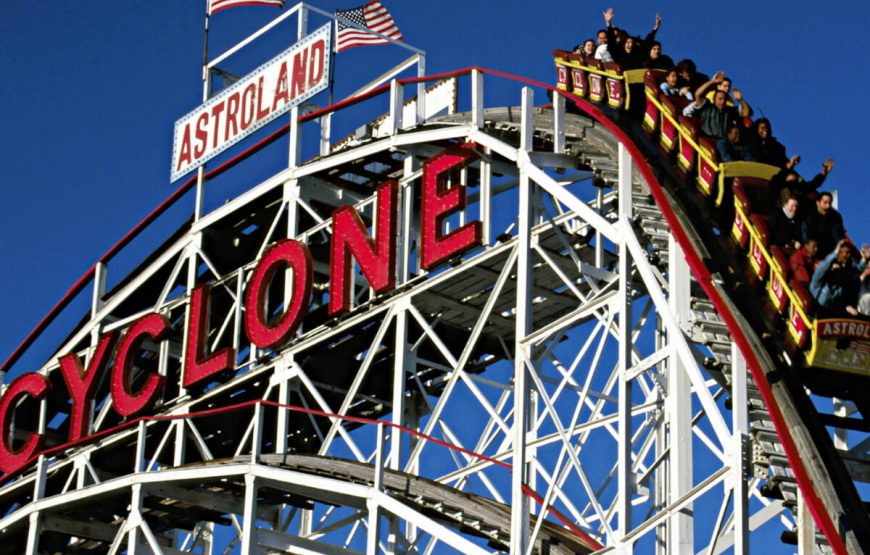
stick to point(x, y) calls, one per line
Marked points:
point(764, 146)
point(587, 48)
point(715, 116)
point(730, 148)
point(787, 183)
point(836, 281)
point(655, 59)
point(602, 51)
point(864, 296)
point(824, 224)
point(803, 262)
point(628, 51)
point(670, 86)
point(689, 75)
point(784, 225)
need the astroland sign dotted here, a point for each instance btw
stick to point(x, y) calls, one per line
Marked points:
point(258, 98)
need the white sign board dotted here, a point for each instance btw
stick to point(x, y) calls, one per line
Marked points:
point(272, 89)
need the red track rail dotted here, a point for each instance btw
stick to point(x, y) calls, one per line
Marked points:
point(702, 274)
point(59, 449)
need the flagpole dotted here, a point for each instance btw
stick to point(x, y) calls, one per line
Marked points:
point(200, 171)
point(332, 65)
point(205, 40)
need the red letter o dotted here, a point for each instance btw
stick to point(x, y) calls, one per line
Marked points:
point(261, 331)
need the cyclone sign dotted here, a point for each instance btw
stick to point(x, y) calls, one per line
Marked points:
point(135, 390)
point(260, 97)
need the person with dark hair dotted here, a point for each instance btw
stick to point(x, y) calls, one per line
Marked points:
point(587, 48)
point(630, 55)
point(715, 116)
point(730, 148)
point(803, 262)
point(764, 146)
point(602, 51)
point(628, 51)
point(689, 76)
point(836, 281)
point(724, 86)
point(824, 223)
point(784, 226)
point(670, 87)
point(655, 59)
point(787, 182)
point(864, 294)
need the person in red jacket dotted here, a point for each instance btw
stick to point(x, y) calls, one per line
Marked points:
point(803, 262)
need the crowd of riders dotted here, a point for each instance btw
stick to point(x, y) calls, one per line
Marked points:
point(801, 218)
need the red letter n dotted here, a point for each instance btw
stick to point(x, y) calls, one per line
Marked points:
point(350, 238)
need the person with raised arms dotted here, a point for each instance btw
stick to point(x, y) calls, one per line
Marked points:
point(716, 117)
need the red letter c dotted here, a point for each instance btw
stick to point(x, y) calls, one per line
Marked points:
point(35, 385)
point(125, 401)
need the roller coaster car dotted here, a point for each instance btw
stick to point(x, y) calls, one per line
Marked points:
point(834, 343)
point(600, 82)
point(652, 81)
point(689, 130)
point(780, 272)
point(708, 166)
point(742, 210)
point(759, 242)
point(672, 107)
point(616, 87)
point(798, 324)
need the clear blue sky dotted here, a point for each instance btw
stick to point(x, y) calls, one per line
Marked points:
point(90, 91)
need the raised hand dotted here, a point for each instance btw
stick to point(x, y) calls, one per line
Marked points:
point(738, 96)
point(827, 166)
point(658, 22)
point(608, 16)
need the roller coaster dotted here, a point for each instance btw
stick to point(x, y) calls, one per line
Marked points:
point(554, 326)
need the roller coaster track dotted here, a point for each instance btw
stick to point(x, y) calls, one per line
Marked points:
point(811, 462)
point(791, 448)
point(782, 416)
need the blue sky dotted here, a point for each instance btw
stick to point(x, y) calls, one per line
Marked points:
point(91, 90)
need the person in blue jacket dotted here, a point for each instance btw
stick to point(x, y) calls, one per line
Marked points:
point(837, 280)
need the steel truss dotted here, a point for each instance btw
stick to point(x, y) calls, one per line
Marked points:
point(540, 394)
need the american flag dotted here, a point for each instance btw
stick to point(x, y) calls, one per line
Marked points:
point(214, 6)
point(372, 16)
